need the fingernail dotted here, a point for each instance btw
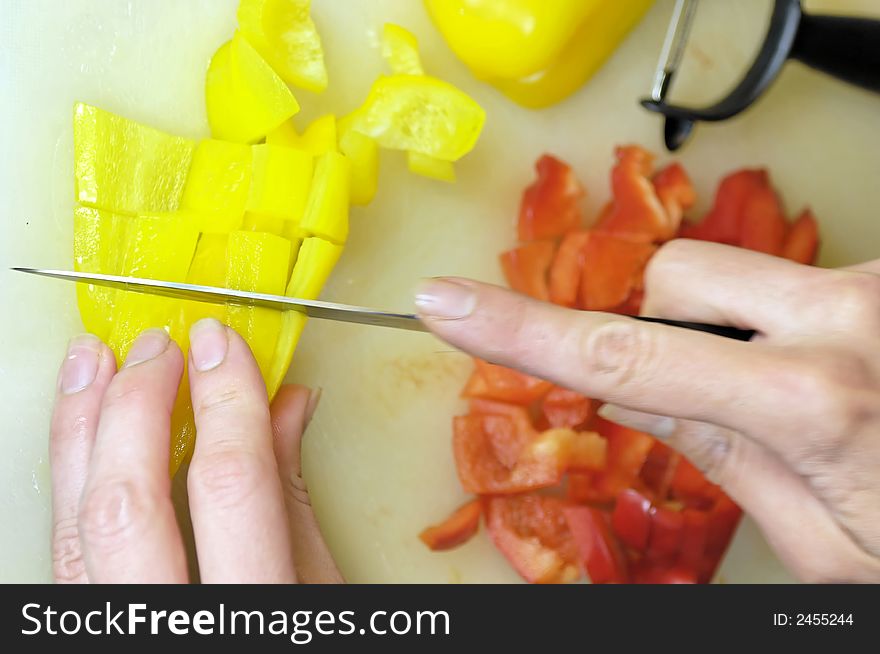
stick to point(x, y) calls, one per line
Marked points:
point(208, 343)
point(80, 367)
point(661, 427)
point(440, 298)
point(148, 346)
point(312, 404)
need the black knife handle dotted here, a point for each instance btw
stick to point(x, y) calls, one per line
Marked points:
point(718, 330)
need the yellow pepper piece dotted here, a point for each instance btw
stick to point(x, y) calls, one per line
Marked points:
point(401, 50)
point(245, 98)
point(319, 137)
point(363, 155)
point(257, 262)
point(282, 178)
point(125, 167)
point(295, 235)
point(326, 213)
point(285, 135)
point(208, 265)
point(292, 325)
point(422, 114)
point(422, 164)
point(534, 51)
point(314, 264)
point(257, 222)
point(283, 32)
point(218, 184)
point(157, 247)
point(98, 237)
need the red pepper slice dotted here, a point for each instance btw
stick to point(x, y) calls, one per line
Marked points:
point(723, 222)
point(763, 226)
point(631, 519)
point(600, 554)
point(676, 193)
point(458, 528)
point(612, 269)
point(658, 469)
point(694, 537)
point(505, 385)
point(637, 211)
point(667, 526)
point(627, 451)
point(802, 243)
point(526, 268)
point(550, 206)
point(565, 408)
point(532, 532)
point(565, 272)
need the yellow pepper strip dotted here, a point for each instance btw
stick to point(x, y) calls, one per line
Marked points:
point(292, 232)
point(97, 239)
point(363, 155)
point(580, 59)
point(401, 50)
point(326, 213)
point(282, 178)
point(319, 137)
point(157, 247)
point(535, 51)
point(422, 114)
point(422, 164)
point(257, 262)
point(257, 222)
point(284, 135)
point(218, 184)
point(314, 264)
point(283, 32)
point(245, 98)
point(125, 167)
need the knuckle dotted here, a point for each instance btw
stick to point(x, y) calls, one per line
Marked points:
point(618, 351)
point(112, 512)
point(67, 560)
point(225, 477)
point(856, 298)
point(667, 257)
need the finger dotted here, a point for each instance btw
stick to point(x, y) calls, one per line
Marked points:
point(126, 520)
point(85, 373)
point(779, 500)
point(292, 410)
point(235, 493)
point(648, 367)
point(718, 284)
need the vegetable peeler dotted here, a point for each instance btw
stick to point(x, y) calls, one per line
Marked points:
point(846, 47)
point(312, 308)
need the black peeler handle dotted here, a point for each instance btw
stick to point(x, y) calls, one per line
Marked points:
point(718, 330)
point(846, 47)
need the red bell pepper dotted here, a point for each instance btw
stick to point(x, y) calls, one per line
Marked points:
point(551, 205)
point(494, 382)
point(526, 268)
point(458, 528)
point(802, 242)
point(565, 272)
point(667, 526)
point(612, 269)
point(762, 224)
point(723, 223)
point(631, 519)
point(676, 193)
point(564, 408)
point(600, 554)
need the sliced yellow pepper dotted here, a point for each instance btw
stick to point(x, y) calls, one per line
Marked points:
point(257, 222)
point(422, 164)
point(326, 213)
point(97, 247)
point(363, 155)
point(245, 98)
point(315, 262)
point(401, 50)
point(319, 137)
point(125, 167)
point(218, 184)
point(282, 178)
point(257, 261)
point(535, 51)
point(422, 114)
point(283, 32)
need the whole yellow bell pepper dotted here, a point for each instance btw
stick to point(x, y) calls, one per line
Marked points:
point(537, 52)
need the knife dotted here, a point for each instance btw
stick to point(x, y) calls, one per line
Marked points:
point(311, 308)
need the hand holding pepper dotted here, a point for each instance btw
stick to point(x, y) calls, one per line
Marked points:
point(113, 517)
point(787, 424)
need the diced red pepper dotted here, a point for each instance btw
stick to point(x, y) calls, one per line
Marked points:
point(648, 572)
point(565, 272)
point(506, 385)
point(612, 268)
point(526, 268)
point(627, 451)
point(723, 222)
point(551, 205)
point(687, 481)
point(532, 532)
point(676, 193)
point(762, 226)
point(631, 519)
point(458, 528)
point(694, 536)
point(659, 468)
point(584, 450)
point(565, 408)
point(802, 243)
point(637, 211)
point(667, 526)
point(600, 554)
point(581, 488)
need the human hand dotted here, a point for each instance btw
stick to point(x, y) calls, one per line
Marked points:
point(111, 492)
point(788, 424)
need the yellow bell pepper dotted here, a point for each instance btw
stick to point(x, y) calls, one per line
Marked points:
point(282, 178)
point(326, 213)
point(401, 50)
point(257, 222)
point(218, 184)
point(422, 164)
point(125, 167)
point(283, 32)
point(535, 51)
point(315, 262)
point(97, 239)
point(245, 98)
point(363, 155)
point(318, 138)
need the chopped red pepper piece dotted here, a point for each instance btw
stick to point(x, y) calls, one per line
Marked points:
point(802, 242)
point(676, 193)
point(666, 532)
point(526, 268)
point(565, 408)
point(694, 536)
point(631, 519)
point(507, 385)
point(458, 528)
point(565, 272)
point(532, 532)
point(762, 224)
point(550, 206)
point(612, 268)
point(600, 554)
point(658, 470)
point(723, 222)
point(627, 451)
point(647, 572)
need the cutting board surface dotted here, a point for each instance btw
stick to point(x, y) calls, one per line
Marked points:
point(377, 456)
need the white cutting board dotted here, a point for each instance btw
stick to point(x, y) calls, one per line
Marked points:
point(378, 456)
